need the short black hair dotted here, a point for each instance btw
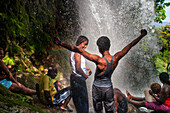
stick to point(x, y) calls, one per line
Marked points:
point(81, 39)
point(104, 43)
point(164, 77)
point(52, 68)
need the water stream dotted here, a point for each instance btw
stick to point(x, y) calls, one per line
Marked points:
point(121, 21)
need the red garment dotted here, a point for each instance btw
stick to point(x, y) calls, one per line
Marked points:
point(158, 94)
point(167, 102)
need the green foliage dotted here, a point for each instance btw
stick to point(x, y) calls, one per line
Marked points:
point(27, 29)
point(160, 6)
point(28, 26)
point(162, 59)
point(8, 60)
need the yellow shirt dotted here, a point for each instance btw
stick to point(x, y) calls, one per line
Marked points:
point(46, 84)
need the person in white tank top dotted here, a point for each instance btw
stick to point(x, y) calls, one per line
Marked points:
point(83, 64)
point(79, 76)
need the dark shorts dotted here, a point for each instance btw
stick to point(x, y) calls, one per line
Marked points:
point(105, 95)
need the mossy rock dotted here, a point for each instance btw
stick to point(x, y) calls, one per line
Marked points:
point(12, 102)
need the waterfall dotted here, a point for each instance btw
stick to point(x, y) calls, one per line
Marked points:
point(121, 21)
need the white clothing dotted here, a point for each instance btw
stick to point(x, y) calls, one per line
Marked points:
point(83, 63)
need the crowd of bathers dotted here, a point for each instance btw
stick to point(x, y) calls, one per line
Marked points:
point(104, 95)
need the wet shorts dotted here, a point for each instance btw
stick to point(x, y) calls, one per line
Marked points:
point(103, 94)
point(155, 106)
point(6, 83)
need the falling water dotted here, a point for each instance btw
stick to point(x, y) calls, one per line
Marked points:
point(121, 21)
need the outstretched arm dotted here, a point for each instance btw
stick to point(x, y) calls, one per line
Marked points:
point(129, 96)
point(91, 57)
point(125, 50)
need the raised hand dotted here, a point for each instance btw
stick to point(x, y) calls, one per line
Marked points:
point(143, 32)
point(129, 96)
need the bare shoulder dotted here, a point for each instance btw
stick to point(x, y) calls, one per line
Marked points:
point(117, 56)
point(101, 60)
point(115, 59)
point(77, 54)
point(166, 88)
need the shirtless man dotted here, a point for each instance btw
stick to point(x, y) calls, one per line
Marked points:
point(102, 90)
point(7, 80)
point(161, 95)
point(121, 103)
point(164, 98)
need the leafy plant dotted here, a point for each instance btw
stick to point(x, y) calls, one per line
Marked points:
point(160, 6)
point(162, 60)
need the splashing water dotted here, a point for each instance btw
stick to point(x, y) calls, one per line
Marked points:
point(121, 21)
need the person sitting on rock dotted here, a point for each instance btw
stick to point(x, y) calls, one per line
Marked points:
point(7, 79)
point(155, 87)
point(48, 94)
point(155, 105)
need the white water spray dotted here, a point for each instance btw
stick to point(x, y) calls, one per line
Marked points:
point(121, 21)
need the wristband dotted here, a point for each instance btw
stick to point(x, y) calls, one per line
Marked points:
point(59, 42)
